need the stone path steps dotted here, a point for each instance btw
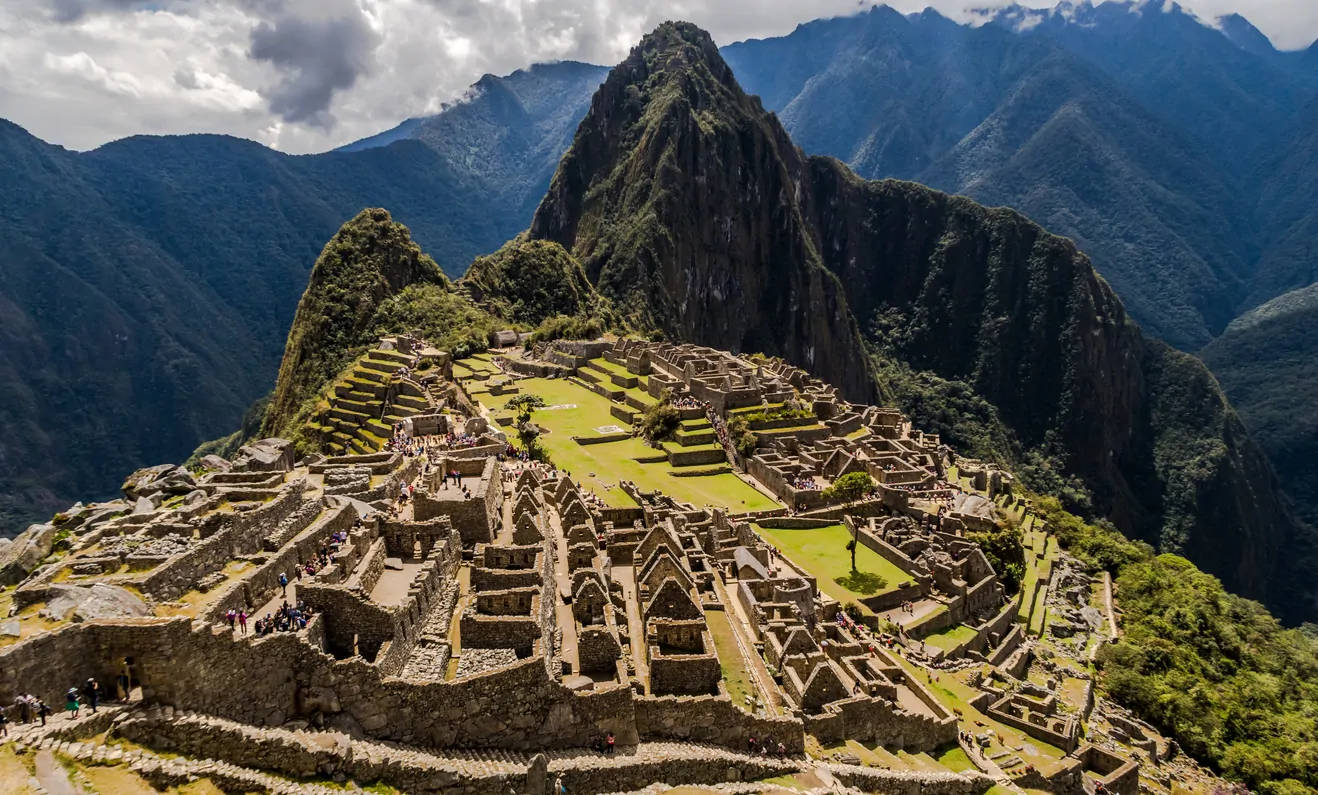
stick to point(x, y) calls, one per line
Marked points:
point(158, 769)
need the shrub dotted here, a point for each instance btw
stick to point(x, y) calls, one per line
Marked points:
point(850, 487)
point(661, 420)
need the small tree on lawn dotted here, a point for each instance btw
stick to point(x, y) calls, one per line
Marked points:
point(527, 432)
point(850, 487)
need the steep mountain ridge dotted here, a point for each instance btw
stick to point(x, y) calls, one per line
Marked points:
point(507, 133)
point(731, 264)
point(690, 207)
point(156, 277)
point(1267, 362)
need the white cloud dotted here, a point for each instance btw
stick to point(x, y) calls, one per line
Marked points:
point(82, 66)
point(307, 75)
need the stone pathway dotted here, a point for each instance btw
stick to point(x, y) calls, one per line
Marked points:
point(732, 608)
point(52, 776)
point(624, 576)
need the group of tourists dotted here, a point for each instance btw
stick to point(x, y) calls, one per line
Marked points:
point(767, 747)
point(805, 483)
point(458, 441)
point(400, 441)
point(26, 708)
point(237, 619)
point(286, 619)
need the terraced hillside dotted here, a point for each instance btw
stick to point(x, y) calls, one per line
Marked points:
point(358, 412)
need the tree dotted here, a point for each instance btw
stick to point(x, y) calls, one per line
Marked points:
point(660, 421)
point(850, 487)
point(743, 438)
point(527, 432)
point(851, 547)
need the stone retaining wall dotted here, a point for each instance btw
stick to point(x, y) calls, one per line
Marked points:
point(711, 719)
point(240, 534)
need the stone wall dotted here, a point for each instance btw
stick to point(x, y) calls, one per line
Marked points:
point(688, 674)
point(259, 587)
point(240, 534)
point(878, 721)
point(711, 719)
point(903, 782)
point(477, 518)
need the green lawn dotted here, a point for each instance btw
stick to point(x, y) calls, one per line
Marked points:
point(610, 462)
point(735, 676)
point(822, 552)
point(951, 637)
point(954, 758)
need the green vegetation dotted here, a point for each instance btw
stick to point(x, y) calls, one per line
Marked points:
point(1005, 552)
point(951, 637)
point(822, 552)
point(370, 259)
point(527, 432)
point(1267, 361)
point(1214, 671)
point(563, 327)
point(530, 281)
point(741, 688)
point(784, 411)
point(850, 487)
point(660, 421)
point(440, 316)
point(744, 440)
point(574, 410)
point(1218, 673)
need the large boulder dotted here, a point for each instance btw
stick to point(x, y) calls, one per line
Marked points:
point(215, 463)
point(26, 552)
point(164, 478)
point(265, 455)
point(105, 511)
point(88, 602)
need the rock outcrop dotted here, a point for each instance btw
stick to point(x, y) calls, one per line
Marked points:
point(99, 600)
point(26, 552)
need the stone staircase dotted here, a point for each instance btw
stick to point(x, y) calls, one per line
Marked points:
point(290, 755)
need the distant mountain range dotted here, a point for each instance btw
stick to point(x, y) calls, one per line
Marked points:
point(155, 276)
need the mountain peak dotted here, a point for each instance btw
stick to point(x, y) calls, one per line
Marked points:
point(675, 49)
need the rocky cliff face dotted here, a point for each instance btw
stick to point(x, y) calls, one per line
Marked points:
point(679, 196)
point(688, 205)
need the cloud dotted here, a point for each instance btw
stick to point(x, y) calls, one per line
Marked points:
point(83, 66)
point(316, 57)
point(309, 75)
point(65, 11)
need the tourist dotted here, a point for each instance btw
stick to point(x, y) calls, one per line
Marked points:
point(24, 708)
point(242, 621)
point(608, 744)
point(71, 702)
point(231, 616)
point(782, 749)
point(4, 723)
point(42, 710)
point(283, 583)
point(91, 690)
point(559, 786)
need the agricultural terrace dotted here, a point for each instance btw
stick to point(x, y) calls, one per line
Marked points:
point(572, 410)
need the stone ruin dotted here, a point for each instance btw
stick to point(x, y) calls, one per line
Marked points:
point(478, 635)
